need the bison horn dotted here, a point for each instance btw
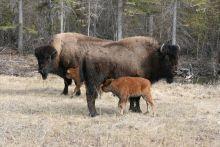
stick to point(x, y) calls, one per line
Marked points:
point(161, 48)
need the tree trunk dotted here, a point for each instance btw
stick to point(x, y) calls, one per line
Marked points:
point(119, 19)
point(95, 19)
point(20, 33)
point(146, 24)
point(151, 24)
point(174, 23)
point(89, 18)
point(197, 50)
point(50, 18)
point(61, 17)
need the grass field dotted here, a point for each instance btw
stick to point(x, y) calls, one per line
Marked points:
point(33, 113)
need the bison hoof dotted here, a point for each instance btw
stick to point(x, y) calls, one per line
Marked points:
point(78, 93)
point(136, 110)
point(64, 93)
point(93, 114)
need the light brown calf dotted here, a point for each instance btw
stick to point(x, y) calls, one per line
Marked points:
point(73, 73)
point(125, 87)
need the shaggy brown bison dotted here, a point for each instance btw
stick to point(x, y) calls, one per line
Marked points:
point(51, 58)
point(125, 87)
point(133, 56)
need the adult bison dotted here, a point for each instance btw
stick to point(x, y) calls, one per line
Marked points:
point(64, 51)
point(133, 56)
point(50, 61)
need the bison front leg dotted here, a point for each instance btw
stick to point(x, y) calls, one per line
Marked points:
point(135, 104)
point(91, 95)
point(67, 82)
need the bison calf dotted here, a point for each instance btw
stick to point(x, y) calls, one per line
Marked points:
point(73, 73)
point(125, 87)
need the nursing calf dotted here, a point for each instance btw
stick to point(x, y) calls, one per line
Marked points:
point(73, 73)
point(125, 87)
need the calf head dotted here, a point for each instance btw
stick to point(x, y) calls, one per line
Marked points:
point(71, 73)
point(169, 61)
point(46, 58)
point(106, 86)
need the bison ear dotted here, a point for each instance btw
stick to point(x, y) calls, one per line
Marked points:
point(53, 55)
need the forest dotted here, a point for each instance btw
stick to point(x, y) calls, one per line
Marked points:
point(192, 24)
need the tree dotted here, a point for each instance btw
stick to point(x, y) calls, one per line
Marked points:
point(119, 19)
point(151, 25)
point(89, 18)
point(20, 34)
point(61, 16)
point(174, 23)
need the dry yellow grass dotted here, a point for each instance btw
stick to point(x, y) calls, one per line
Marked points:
point(33, 113)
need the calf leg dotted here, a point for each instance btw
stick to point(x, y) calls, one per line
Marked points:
point(77, 90)
point(67, 82)
point(149, 100)
point(121, 105)
point(135, 104)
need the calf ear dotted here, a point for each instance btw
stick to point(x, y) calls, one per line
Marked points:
point(108, 82)
point(53, 55)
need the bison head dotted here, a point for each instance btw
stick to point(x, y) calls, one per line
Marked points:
point(169, 61)
point(45, 56)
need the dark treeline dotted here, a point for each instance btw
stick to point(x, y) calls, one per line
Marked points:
point(197, 22)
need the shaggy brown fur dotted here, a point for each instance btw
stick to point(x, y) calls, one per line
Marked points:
point(125, 87)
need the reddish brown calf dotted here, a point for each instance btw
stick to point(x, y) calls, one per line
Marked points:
point(125, 87)
point(73, 73)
